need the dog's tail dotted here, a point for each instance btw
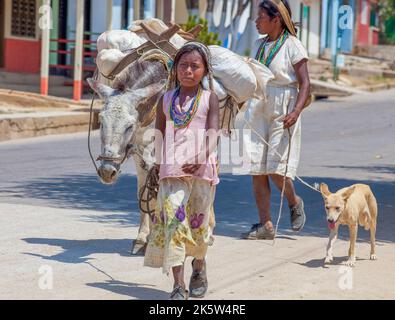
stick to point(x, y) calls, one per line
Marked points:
point(372, 205)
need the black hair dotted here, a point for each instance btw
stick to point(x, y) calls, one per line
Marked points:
point(272, 10)
point(188, 48)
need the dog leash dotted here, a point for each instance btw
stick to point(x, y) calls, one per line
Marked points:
point(315, 187)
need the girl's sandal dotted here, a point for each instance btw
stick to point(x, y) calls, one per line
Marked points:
point(198, 284)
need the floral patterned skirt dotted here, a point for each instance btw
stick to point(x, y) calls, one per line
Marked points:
point(182, 223)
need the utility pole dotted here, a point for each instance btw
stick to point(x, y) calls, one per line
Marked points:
point(335, 37)
point(136, 10)
point(45, 25)
point(79, 49)
point(109, 14)
point(173, 10)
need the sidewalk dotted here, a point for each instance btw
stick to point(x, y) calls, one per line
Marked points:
point(59, 222)
point(88, 258)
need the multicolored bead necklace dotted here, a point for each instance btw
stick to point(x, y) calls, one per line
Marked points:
point(182, 119)
point(273, 51)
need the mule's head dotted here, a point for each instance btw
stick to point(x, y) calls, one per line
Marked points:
point(119, 119)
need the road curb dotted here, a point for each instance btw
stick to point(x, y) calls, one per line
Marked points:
point(377, 87)
point(17, 126)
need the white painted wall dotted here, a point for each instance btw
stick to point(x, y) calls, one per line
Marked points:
point(149, 9)
point(314, 39)
point(181, 12)
point(98, 17)
point(116, 14)
point(131, 12)
point(314, 35)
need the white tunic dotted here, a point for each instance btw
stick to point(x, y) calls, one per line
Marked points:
point(266, 117)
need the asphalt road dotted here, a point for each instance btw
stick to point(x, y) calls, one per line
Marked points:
point(54, 211)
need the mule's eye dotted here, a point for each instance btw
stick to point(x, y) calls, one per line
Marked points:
point(337, 208)
point(129, 128)
point(327, 208)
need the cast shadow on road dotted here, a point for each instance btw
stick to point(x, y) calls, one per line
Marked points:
point(319, 263)
point(234, 204)
point(79, 251)
point(135, 290)
point(233, 216)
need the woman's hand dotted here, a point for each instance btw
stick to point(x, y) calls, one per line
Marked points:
point(290, 119)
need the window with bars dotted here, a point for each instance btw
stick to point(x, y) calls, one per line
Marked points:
point(23, 18)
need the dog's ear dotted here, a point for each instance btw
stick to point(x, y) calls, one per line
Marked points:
point(324, 190)
point(346, 194)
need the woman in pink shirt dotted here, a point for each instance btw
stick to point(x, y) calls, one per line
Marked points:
point(188, 120)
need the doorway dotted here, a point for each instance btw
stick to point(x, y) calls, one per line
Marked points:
point(2, 22)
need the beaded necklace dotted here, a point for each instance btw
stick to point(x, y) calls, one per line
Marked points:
point(273, 51)
point(182, 119)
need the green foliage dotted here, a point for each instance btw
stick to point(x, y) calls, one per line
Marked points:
point(247, 52)
point(387, 17)
point(387, 9)
point(206, 37)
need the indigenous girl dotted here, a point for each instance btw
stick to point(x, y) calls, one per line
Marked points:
point(277, 119)
point(188, 119)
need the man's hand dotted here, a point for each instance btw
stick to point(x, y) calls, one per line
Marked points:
point(291, 119)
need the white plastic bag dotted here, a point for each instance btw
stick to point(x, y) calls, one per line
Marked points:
point(108, 59)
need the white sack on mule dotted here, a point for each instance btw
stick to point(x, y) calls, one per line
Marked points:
point(236, 75)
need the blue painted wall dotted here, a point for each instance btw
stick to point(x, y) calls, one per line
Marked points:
point(331, 35)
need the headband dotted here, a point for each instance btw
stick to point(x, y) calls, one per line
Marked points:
point(285, 15)
point(207, 53)
point(202, 46)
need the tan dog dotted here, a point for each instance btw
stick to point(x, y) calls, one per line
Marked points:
point(350, 206)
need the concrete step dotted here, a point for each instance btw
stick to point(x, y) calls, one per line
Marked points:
point(33, 101)
point(326, 54)
point(26, 125)
point(57, 91)
point(325, 89)
point(29, 79)
point(19, 78)
point(20, 87)
point(363, 72)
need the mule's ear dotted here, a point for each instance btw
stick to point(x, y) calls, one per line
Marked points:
point(102, 90)
point(142, 95)
point(346, 194)
point(324, 190)
point(146, 106)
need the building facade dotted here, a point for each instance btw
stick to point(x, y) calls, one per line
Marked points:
point(20, 38)
point(348, 24)
point(20, 33)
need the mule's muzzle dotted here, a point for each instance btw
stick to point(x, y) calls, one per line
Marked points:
point(108, 173)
